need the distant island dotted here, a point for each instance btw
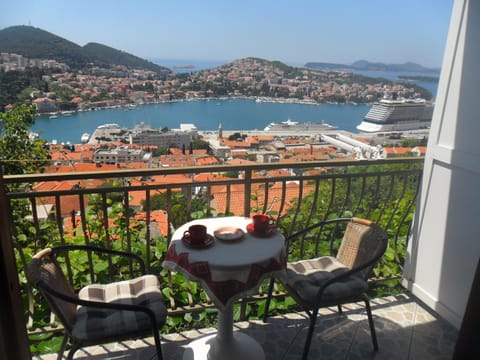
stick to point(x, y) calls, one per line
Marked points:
point(372, 66)
point(419, 78)
point(188, 66)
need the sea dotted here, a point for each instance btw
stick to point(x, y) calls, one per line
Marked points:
point(231, 114)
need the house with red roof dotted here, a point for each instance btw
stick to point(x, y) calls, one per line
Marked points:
point(45, 105)
point(397, 151)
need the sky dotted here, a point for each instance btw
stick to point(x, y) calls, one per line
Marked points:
point(294, 32)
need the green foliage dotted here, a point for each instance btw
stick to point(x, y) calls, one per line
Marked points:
point(19, 153)
point(178, 203)
point(16, 86)
point(160, 151)
point(237, 137)
point(232, 174)
point(200, 144)
point(414, 142)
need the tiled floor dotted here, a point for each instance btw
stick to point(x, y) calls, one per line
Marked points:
point(406, 329)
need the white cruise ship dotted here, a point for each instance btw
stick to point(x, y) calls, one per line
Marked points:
point(397, 115)
point(290, 125)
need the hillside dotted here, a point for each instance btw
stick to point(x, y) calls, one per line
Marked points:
point(107, 55)
point(371, 66)
point(40, 44)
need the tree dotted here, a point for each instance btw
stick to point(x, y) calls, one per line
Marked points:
point(237, 137)
point(12, 83)
point(178, 203)
point(199, 144)
point(20, 153)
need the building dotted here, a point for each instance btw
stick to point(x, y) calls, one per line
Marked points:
point(145, 135)
point(219, 149)
point(121, 154)
point(44, 105)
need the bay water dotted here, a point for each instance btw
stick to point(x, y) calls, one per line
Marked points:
point(232, 114)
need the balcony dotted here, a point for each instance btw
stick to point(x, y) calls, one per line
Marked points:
point(441, 266)
point(406, 330)
point(119, 209)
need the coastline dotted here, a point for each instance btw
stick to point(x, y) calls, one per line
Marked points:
point(258, 99)
point(206, 114)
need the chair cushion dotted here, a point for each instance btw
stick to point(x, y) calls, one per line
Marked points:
point(306, 276)
point(95, 323)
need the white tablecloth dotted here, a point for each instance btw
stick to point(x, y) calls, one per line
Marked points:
point(228, 270)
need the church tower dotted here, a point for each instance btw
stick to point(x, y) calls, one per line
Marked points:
point(220, 131)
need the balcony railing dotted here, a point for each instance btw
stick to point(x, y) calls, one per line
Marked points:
point(137, 210)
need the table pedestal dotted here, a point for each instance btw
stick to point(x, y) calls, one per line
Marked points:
point(225, 344)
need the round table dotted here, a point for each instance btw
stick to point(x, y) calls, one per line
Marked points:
point(227, 270)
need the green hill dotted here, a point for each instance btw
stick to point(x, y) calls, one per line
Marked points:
point(36, 43)
point(39, 44)
point(107, 55)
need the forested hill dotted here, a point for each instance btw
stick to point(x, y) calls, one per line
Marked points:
point(107, 55)
point(36, 43)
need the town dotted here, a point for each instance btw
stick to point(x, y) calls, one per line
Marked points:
point(94, 87)
point(147, 147)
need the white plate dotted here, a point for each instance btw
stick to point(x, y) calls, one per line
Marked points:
point(229, 233)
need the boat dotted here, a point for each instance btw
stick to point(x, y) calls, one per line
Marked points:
point(109, 126)
point(67, 113)
point(33, 135)
point(290, 125)
point(85, 137)
point(394, 114)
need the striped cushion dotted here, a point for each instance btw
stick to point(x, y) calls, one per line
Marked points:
point(306, 276)
point(95, 323)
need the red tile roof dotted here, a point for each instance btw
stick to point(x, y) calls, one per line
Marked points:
point(236, 205)
point(397, 150)
point(240, 162)
point(79, 167)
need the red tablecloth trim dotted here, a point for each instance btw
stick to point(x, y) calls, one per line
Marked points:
point(225, 290)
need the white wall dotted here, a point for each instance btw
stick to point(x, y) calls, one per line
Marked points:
point(445, 246)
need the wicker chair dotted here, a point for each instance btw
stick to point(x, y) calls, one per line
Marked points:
point(334, 280)
point(99, 313)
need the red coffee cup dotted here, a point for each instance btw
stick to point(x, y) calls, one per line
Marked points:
point(196, 233)
point(261, 222)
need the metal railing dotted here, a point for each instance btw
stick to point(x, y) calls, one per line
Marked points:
point(103, 208)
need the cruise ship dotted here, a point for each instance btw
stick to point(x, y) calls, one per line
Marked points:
point(397, 115)
point(290, 125)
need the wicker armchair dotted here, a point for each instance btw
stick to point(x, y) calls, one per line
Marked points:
point(99, 313)
point(334, 280)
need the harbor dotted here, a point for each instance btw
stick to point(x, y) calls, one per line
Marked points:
point(233, 114)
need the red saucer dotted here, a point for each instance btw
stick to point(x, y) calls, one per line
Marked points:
point(201, 245)
point(269, 232)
